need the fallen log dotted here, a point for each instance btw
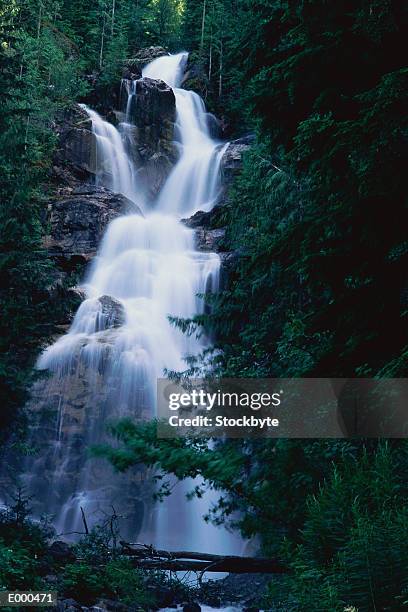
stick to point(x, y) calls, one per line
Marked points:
point(243, 565)
point(147, 557)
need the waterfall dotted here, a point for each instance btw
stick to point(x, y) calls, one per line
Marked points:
point(121, 340)
point(193, 184)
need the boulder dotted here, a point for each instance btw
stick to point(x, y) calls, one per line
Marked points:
point(77, 219)
point(209, 239)
point(214, 126)
point(61, 552)
point(153, 113)
point(155, 172)
point(153, 107)
point(143, 57)
point(229, 261)
point(112, 311)
point(208, 236)
point(110, 605)
point(80, 150)
point(191, 607)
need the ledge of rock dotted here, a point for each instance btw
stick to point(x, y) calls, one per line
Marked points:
point(209, 239)
point(74, 159)
point(112, 311)
point(231, 162)
point(77, 219)
point(195, 78)
point(143, 57)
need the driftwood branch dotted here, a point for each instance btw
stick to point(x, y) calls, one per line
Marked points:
point(147, 557)
point(84, 521)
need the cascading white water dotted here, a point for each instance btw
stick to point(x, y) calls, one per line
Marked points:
point(146, 269)
point(193, 184)
point(114, 168)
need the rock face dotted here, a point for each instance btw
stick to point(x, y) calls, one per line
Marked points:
point(231, 162)
point(207, 238)
point(112, 312)
point(143, 57)
point(154, 104)
point(88, 401)
point(210, 237)
point(153, 113)
point(77, 219)
point(195, 79)
point(74, 159)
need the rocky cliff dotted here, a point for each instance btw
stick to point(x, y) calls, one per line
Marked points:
point(79, 211)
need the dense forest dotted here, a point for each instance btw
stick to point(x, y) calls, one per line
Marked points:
point(319, 287)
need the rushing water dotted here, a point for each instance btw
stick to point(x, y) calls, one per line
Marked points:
point(147, 268)
point(192, 185)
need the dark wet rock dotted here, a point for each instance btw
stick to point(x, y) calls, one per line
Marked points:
point(155, 172)
point(214, 126)
point(131, 71)
point(153, 109)
point(79, 150)
point(77, 219)
point(153, 112)
point(77, 293)
point(51, 579)
point(67, 605)
point(61, 552)
point(229, 260)
point(191, 607)
point(74, 159)
point(236, 590)
point(195, 78)
point(143, 57)
point(112, 312)
point(231, 162)
point(109, 605)
point(209, 239)
point(202, 219)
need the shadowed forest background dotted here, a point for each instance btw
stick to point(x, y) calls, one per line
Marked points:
point(316, 220)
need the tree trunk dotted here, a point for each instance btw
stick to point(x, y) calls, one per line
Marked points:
point(203, 26)
point(210, 61)
point(102, 42)
point(113, 16)
point(220, 78)
point(147, 557)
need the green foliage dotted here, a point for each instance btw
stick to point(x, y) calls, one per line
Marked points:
point(18, 569)
point(266, 481)
point(39, 74)
point(115, 580)
point(341, 507)
point(100, 571)
point(353, 550)
point(316, 212)
point(22, 546)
